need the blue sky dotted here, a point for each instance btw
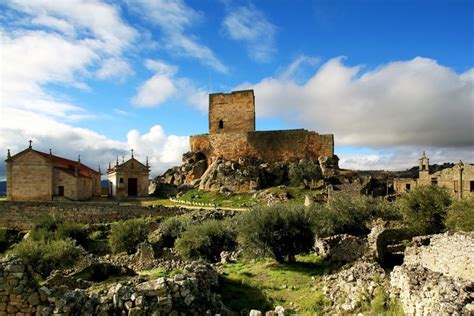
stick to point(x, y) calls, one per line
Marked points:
point(96, 78)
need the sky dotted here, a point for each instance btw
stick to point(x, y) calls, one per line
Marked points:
point(97, 78)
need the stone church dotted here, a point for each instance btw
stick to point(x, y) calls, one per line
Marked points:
point(459, 180)
point(129, 178)
point(35, 175)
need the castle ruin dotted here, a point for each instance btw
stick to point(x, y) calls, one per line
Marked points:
point(232, 134)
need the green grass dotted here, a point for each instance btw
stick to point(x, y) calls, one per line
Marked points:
point(265, 284)
point(234, 200)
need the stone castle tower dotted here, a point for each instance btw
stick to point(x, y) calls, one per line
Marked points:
point(232, 113)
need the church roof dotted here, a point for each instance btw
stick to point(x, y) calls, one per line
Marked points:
point(65, 164)
point(123, 165)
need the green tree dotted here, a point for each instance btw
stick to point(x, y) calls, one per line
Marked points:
point(461, 215)
point(281, 231)
point(424, 209)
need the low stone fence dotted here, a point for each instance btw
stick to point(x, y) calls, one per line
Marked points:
point(22, 215)
point(190, 293)
point(449, 253)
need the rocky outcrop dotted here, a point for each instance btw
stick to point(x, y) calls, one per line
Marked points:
point(190, 293)
point(247, 173)
point(436, 276)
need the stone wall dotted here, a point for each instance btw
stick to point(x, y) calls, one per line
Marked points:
point(270, 146)
point(436, 277)
point(236, 110)
point(190, 293)
point(450, 254)
point(22, 215)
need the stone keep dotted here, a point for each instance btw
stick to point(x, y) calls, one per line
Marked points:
point(35, 175)
point(130, 178)
point(232, 134)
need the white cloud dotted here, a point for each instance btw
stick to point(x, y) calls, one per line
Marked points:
point(154, 91)
point(78, 40)
point(249, 25)
point(415, 102)
point(164, 85)
point(165, 151)
point(114, 68)
point(405, 106)
point(174, 18)
point(96, 18)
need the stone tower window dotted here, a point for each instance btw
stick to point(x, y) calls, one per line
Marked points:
point(221, 124)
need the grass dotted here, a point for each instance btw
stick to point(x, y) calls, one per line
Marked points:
point(265, 284)
point(241, 200)
point(234, 200)
point(3, 198)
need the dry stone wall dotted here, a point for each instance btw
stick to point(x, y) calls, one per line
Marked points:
point(189, 293)
point(22, 215)
point(451, 254)
point(436, 276)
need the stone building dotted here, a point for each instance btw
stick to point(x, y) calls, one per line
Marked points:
point(35, 175)
point(232, 134)
point(130, 178)
point(459, 180)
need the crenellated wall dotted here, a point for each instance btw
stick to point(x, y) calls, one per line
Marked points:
point(270, 146)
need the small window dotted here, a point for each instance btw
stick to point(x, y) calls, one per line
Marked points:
point(221, 124)
point(61, 190)
point(471, 189)
point(121, 180)
point(434, 181)
point(408, 186)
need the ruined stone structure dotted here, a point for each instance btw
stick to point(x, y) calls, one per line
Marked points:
point(232, 134)
point(459, 180)
point(35, 175)
point(130, 178)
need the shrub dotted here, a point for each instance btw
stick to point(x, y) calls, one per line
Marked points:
point(48, 222)
point(343, 214)
point(424, 209)
point(126, 235)
point(305, 170)
point(461, 215)
point(47, 255)
point(281, 231)
point(75, 231)
point(172, 228)
point(206, 241)
point(41, 235)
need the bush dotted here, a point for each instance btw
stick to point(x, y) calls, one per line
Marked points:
point(461, 215)
point(424, 209)
point(126, 235)
point(305, 170)
point(75, 231)
point(281, 231)
point(46, 255)
point(48, 222)
point(206, 241)
point(172, 228)
point(350, 214)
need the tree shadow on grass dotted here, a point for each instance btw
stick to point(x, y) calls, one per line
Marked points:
point(238, 296)
point(305, 267)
